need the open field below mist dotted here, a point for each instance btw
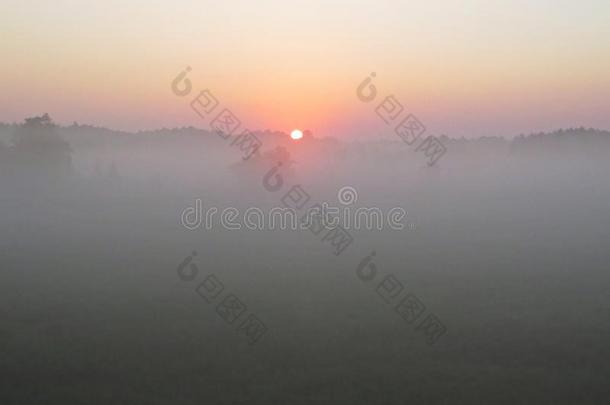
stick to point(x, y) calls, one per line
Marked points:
point(93, 310)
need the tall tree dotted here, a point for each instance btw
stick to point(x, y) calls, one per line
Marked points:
point(39, 150)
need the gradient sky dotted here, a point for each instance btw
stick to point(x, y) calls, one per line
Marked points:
point(465, 68)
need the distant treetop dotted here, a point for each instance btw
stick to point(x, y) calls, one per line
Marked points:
point(45, 120)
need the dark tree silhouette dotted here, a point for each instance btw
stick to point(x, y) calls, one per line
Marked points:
point(39, 151)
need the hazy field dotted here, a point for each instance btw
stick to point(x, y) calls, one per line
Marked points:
point(510, 254)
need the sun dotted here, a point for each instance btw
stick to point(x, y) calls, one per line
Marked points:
point(296, 134)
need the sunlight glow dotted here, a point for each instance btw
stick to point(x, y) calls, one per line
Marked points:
point(296, 134)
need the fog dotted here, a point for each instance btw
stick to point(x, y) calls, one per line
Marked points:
point(504, 248)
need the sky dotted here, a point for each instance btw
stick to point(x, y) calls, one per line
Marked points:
point(464, 68)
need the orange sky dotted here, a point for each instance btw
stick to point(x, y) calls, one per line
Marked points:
point(468, 69)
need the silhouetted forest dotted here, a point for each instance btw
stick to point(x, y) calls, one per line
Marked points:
point(39, 148)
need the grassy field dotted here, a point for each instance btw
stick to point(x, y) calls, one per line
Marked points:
point(93, 310)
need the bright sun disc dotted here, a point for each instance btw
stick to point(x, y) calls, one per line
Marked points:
point(296, 134)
